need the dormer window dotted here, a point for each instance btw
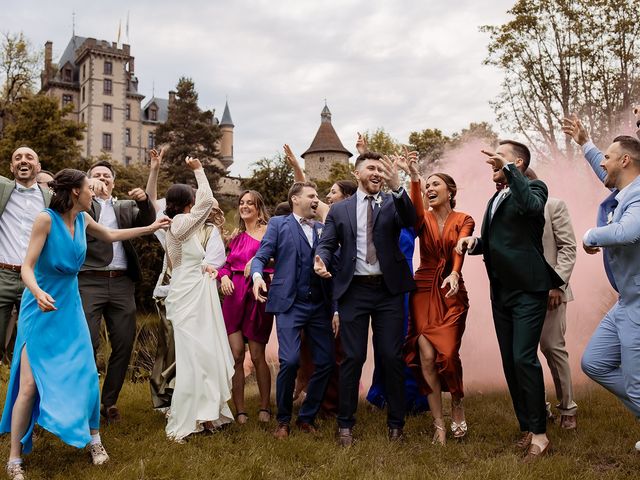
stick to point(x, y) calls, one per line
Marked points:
point(67, 75)
point(153, 114)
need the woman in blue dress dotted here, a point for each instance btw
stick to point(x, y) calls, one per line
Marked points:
point(54, 381)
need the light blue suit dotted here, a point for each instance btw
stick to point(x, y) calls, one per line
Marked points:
point(612, 357)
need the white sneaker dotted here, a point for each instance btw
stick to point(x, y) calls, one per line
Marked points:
point(15, 471)
point(98, 454)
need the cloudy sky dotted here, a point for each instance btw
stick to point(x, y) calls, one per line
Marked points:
point(402, 65)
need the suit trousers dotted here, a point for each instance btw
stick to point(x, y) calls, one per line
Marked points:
point(315, 320)
point(113, 299)
point(612, 357)
point(552, 346)
point(360, 302)
point(518, 318)
point(11, 288)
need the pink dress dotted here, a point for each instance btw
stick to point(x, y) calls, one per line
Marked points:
point(240, 310)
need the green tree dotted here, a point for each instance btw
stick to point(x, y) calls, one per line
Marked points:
point(476, 131)
point(429, 143)
point(560, 57)
point(189, 131)
point(272, 177)
point(338, 171)
point(18, 69)
point(39, 122)
point(381, 142)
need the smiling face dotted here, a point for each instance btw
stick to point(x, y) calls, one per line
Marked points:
point(248, 208)
point(437, 192)
point(335, 195)
point(84, 195)
point(369, 175)
point(25, 166)
point(305, 203)
point(612, 164)
point(103, 174)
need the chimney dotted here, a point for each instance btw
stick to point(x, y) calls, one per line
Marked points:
point(48, 57)
point(172, 97)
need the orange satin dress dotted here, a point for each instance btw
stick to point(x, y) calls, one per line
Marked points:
point(440, 320)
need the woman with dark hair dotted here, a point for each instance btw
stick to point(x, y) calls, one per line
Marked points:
point(245, 318)
point(54, 381)
point(204, 363)
point(439, 305)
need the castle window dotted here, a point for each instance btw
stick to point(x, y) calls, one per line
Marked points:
point(153, 114)
point(84, 71)
point(106, 141)
point(127, 161)
point(107, 112)
point(82, 118)
point(127, 111)
point(321, 159)
point(66, 74)
point(107, 87)
point(67, 99)
point(127, 136)
point(83, 95)
point(108, 68)
point(151, 140)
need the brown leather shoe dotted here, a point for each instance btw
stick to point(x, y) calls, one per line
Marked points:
point(282, 431)
point(569, 422)
point(525, 440)
point(111, 414)
point(305, 427)
point(396, 435)
point(535, 452)
point(345, 437)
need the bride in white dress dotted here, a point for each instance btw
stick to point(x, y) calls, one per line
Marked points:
point(204, 363)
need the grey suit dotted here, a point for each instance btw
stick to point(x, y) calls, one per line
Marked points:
point(11, 286)
point(113, 297)
point(559, 244)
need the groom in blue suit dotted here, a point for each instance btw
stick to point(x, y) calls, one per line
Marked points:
point(612, 357)
point(300, 299)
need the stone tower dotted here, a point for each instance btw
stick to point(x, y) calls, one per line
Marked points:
point(226, 142)
point(325, 150)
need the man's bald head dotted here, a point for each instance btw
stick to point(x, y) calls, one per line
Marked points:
point(25, 165)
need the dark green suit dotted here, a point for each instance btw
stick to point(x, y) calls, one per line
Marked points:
point(520, 277)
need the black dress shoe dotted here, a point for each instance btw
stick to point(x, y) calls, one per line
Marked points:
point(396, 434)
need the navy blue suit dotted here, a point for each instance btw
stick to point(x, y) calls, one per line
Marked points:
point(377, 297)
point(300, 300)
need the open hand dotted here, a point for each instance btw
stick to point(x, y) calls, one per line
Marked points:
point(260, 290)
point(193, 163)
point(495, 159)
point(390, 172)
point(289, 156)
point(137, 194)
point(361, 144)
point(452, 280)
point(226, 285)
point(320, 268)
point(575, 129)
point(45, 301)
point(464, 244)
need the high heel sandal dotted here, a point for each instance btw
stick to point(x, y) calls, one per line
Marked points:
point(458, 429)
point(242, 414)
point(264, 418)
point(440, 435)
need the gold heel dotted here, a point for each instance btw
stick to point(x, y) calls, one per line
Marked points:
point(440, 435)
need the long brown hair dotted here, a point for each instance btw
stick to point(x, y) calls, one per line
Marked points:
point(263, 215)
point(451, 185)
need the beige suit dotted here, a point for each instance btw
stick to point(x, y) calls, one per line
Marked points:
point(559, 245)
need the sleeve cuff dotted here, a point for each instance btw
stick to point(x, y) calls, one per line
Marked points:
point(585, 238)
point(398, 193)
point(256, 275)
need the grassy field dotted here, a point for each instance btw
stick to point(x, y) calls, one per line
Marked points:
point(602, 448)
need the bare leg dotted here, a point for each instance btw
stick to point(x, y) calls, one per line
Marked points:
point(23, 406)
point(263, 374)
point(430, 374)
point(236, 342)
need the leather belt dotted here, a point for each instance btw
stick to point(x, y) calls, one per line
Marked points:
point(368, 279)
point(105, 273)
point(8, 266)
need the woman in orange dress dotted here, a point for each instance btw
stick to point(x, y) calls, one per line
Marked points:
point(439, 305)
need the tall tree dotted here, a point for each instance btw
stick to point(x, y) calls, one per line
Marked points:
point(560, 57)
point(430, 145)
point(18, 69)
point(189, 131)
point(39, 123)
point(476, 131)
point(381, 142)
point(272, 177)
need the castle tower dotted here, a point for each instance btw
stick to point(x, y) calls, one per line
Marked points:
point(325, 150)
point(226, 142)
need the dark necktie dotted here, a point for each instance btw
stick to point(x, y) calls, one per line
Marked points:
point(306, 221)
point(371, 248)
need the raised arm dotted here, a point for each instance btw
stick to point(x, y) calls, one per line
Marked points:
point(625, 231)
point(574, 128)
point(530, 197)
point(185, 225)
point(39, 233)
point(155, 159)
point(298, 173)
point(120, 234)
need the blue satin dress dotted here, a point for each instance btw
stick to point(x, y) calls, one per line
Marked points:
point(58, 344)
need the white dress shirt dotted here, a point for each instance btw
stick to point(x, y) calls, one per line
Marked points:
point(496, 201)
point(306, 228)
point(108, 219)
point(17, 221)
point(362, 267)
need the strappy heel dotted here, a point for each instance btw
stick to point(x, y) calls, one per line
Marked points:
point(264, 418)
point(458, 429)
point(440, 435)
point(243, 414)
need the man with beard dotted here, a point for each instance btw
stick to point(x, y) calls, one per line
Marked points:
point(21, 200)
point(107, 278)
point(370, 282)
point(301, 300)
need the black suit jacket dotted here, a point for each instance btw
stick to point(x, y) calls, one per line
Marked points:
point(340, 232)
point(129, 214)
point(511, 241)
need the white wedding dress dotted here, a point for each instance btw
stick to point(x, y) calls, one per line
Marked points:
point(204, 363)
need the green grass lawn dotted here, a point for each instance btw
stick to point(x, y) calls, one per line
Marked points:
point(602, 448)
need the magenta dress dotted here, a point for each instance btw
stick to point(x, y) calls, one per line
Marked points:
point(240, 310)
